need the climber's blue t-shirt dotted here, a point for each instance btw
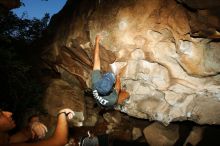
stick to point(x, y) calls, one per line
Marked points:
point(104, 100)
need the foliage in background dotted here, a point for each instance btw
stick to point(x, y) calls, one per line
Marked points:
point(22, 29)
point(19, 89)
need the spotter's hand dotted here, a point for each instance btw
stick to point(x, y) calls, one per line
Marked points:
point(70, 114)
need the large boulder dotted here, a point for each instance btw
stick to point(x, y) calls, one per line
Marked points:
point(157, 134)
point(170, 75)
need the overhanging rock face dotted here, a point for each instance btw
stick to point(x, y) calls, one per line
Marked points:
point(170, 75)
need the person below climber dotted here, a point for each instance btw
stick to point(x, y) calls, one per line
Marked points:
point(90, 140)
point(35, 130)
point(106, 94)
point(59, 137)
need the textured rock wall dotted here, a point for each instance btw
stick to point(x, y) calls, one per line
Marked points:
point(170, 75)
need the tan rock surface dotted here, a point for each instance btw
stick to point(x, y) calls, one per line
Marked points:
point(170, 75)
point(157, 134)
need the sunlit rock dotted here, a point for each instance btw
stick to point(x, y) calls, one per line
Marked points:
point(198, 57)
point(170, 75)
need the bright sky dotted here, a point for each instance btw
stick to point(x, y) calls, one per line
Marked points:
point(37, 8)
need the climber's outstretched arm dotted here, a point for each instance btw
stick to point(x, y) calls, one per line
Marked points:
point(96, 65)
